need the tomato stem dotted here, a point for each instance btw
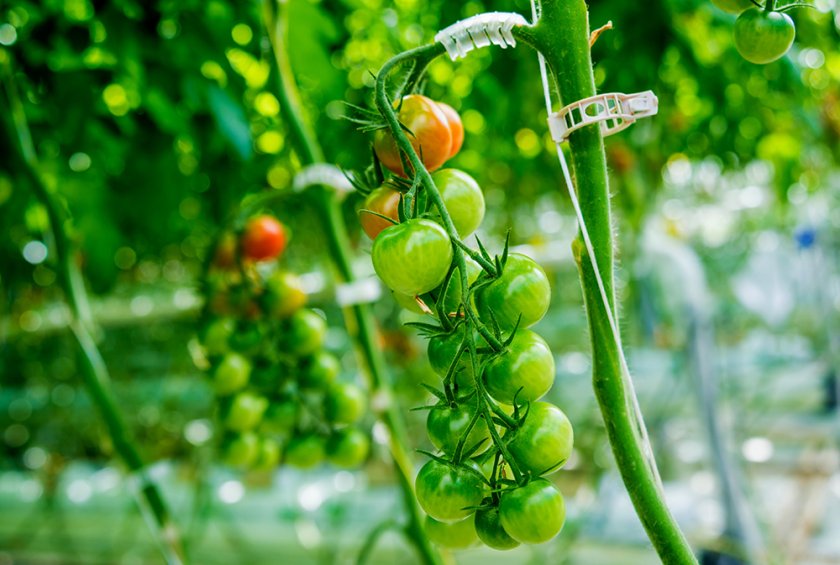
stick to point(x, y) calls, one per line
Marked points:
point(364, 332)
point(562, 36)
point(95, 374)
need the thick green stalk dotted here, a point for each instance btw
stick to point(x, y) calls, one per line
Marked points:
point(94, 371)
point(365, 336)
point(562, 36)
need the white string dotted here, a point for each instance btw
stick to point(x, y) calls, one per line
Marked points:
point(630, 391)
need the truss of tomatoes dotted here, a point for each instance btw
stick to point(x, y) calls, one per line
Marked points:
point(489, 396)
point(278, 392)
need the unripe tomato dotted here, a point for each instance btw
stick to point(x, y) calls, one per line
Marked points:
point(412, 257)
point(281, 417)
point(319, 370)
point(453, 535)
point(488, 526)
point(344, 403)
point(247, 339)
point(264, 238)
point(225, 255)
point(217, 334)
point(733, 6)
point(522, 288)
point(306, 333)
point(463, 199)
point(268, 456)
point(442, 350)
point(456, 127)
point(453, 291)
point(445, 491)
point(231, 374)
point(245, 411)
point(544, 441)
point(241, 450)
point(384, 200)
point(446, 424)
point(430, 135)
point(284, 294)
point(348, 448)
point(305, 451)
point(761, 37)
point(534, 513)
point(526, 364)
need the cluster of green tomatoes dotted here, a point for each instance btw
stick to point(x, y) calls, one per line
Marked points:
point(762, 34)
point(495, 440)
point(278, 392)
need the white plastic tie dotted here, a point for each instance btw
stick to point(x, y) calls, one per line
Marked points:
point(322, 174)
point(492, 28)
point(613, 111)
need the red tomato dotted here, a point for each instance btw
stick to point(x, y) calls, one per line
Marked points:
point(429, 134)
point(456, 127)
point(264, 238)
point(384, 200)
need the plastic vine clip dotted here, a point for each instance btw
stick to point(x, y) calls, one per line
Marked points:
point(322, 174)
point(492, 28)
point(614, 112)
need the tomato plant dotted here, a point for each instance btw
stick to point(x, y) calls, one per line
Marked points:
point(533, 513)
point(762, 37)
point(430, 135)
point(263, 238)
point(412, 257)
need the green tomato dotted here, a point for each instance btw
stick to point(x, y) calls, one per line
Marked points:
point(306, 333)
point(544, 441)
point(281, 417)
point(247, 338)
point(534, 513)
point(733, 6)
point(412, 257)
point(245, 411)
point(268, 456)
point(348, 448)
point(217, 334)
point(488, 526)
point(320, 370)
point(463, 199)
point(344, 403)
point(446, 425)
point(761, 37)
point(284, 294)
point(523, 288)
point(231, 374)
point(444, 491)
point(525, 370)
point(305, 451)
point(442, 350)
point(454, 535)
point(241, 450)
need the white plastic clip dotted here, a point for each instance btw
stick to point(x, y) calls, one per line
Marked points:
point(613, 112)
point(480, 31)
point(322, 174)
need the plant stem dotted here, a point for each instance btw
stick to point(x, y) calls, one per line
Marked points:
point(94, 372)
point(364, 332)
point(562, 36)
